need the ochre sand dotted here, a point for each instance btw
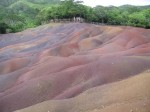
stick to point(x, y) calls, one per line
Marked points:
point(75, 67)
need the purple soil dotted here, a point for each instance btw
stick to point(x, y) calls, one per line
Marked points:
point(54, 63)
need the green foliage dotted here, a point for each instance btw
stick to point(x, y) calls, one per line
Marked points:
point(123, 15)
point(21, 14)
point(44, 1)
point(70, 9)
point(101, 13)
point(6, 3)
point(66, 9)
point(17, 15)
point(3, 28)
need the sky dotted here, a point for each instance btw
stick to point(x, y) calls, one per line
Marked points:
point(93, 3)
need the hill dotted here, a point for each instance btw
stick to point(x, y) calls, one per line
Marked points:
point(75, 67)
point(18, 15)
point(10, 2)
point(21, 14)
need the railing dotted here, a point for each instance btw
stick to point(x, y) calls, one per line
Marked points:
point(79, 20)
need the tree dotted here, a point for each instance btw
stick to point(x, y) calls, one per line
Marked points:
point(3, 28)
point(101, 13)
point(71, 9)
point(137, 19)
point(146, 13)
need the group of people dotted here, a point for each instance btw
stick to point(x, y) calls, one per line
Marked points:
point(78, 19)
point(74, 19)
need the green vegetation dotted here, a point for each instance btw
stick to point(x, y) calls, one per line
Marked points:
point(3, 28)
point(21, 14)
point(17, 15)
point(123, 15)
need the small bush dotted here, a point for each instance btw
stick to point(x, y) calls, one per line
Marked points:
point(3, 28)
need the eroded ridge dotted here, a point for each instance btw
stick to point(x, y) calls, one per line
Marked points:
point(75, 67)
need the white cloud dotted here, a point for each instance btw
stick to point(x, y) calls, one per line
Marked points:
point(93, 3)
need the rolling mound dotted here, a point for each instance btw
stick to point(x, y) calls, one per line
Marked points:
point(75, 67)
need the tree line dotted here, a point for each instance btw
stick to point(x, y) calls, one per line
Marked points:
point(124, 15)
point(138, 16)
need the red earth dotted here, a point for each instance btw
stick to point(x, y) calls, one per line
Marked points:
point(75, 67)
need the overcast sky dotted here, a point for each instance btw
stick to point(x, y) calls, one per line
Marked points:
point(93, 3)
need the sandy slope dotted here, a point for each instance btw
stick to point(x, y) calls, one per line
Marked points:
point(132, 94)
point(75, 67)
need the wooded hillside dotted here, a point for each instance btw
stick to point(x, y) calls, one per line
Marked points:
point(18, 15)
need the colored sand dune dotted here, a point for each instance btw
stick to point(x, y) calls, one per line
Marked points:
point(75, 67)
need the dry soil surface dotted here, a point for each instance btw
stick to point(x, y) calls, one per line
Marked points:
point(75, 67)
